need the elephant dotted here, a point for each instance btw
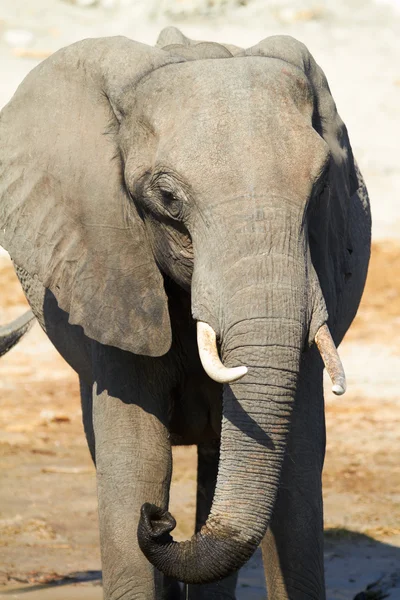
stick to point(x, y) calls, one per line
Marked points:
point(192, 232)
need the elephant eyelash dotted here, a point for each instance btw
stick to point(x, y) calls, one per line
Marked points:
point(161, 185)
point(157, 191)
point(168, 197)
point(171, 204)
point(160, 201)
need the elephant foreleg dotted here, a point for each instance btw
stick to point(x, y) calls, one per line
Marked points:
point(133, 461)
point(207, 469)
point(293, 546)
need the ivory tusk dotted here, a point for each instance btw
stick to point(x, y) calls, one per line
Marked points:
point(332, 362)
point(207, 344)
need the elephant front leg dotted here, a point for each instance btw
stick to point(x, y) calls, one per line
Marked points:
point(133, 461)
point(207, 469)
point(293, 545)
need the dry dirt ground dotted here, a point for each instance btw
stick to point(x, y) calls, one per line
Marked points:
point(48, 513)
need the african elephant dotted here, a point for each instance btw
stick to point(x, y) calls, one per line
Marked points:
point(147, 192)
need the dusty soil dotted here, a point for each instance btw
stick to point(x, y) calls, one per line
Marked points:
point(379, 316)
point(48, 513)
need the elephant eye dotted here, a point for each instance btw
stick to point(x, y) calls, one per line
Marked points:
point(171, 204)
point(168, 197)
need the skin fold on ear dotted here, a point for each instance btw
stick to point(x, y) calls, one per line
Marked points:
point(65, 216)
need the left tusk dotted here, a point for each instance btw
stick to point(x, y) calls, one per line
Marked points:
point(332, 362)
point(207, 344)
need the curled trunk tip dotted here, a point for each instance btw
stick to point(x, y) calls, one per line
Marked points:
point(205, 558)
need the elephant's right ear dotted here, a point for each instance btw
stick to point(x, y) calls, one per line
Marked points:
point(65, 216)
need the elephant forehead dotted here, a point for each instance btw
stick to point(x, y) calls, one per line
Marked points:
point(234, 122)
point(204, 91)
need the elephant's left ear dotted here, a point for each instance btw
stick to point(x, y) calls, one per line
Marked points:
point(65, 215)
point(326, 119)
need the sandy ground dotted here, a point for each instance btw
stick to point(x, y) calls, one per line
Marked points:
point(48, 512)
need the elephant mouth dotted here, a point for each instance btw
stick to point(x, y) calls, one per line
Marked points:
point(216, 370)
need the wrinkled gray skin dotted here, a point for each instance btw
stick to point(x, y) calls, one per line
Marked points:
point(143, 189)
point(11, 334)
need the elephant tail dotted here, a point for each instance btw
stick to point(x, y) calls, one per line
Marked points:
point(12, 333)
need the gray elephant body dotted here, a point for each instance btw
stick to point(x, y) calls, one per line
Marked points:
point(225, 191)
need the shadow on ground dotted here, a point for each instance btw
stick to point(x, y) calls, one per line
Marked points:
point(357, 567)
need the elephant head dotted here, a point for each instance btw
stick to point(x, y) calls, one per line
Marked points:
point(232, 175)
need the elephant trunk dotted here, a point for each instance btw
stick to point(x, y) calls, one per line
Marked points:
point(262, 298)
point(269, 340)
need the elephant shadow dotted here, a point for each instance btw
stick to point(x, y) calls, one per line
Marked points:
point(357, 567)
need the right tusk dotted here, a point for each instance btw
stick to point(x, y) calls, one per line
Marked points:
point(207, 343)
point(332, 362)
